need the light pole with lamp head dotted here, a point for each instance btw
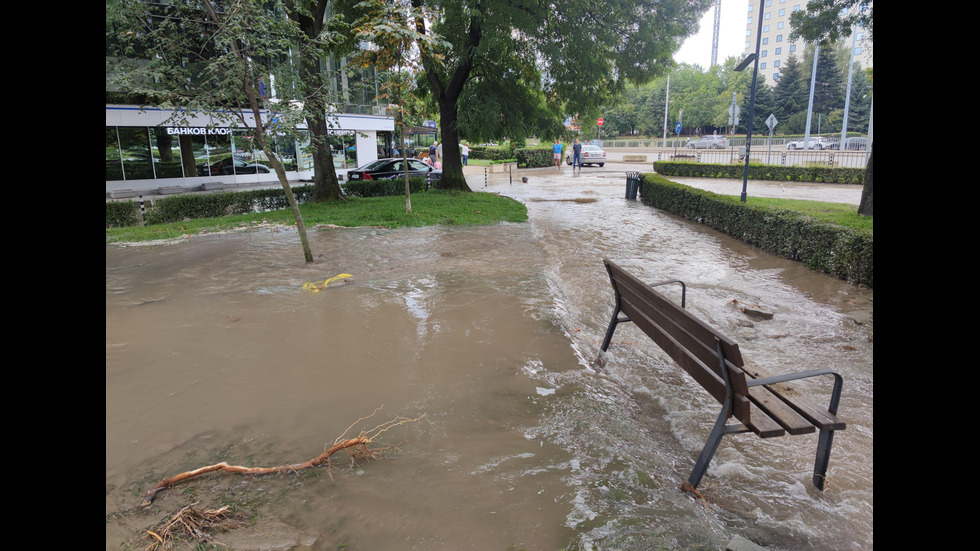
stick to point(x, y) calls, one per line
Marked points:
point(753, 57)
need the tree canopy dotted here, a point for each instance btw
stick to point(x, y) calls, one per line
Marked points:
point(831, 20)
point(510, 67)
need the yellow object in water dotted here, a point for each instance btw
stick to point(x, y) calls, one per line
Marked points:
point(315, 286)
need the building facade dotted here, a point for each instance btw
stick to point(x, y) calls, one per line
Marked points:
point(777, 46)
point(149, 149)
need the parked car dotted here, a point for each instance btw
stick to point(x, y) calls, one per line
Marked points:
point(813, 143)
point(591, 155)
point(387, 169)
point(231, 165)
point(709, 142)
point(852, 144)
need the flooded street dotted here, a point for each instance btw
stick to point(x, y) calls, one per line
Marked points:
point(214, 352)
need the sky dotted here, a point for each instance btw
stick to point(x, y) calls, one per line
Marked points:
point(696, 50)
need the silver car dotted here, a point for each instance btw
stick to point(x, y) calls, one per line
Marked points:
point(709, 142)
point(591, 155)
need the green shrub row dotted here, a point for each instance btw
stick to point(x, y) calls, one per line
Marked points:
point(763, 172)
point(534, 157)
point(845, 253)
point(383, 188)
point(212, 205)
point(119, 214)
point(201, 205)
point(490, 153)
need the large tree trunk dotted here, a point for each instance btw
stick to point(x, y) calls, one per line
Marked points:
point(326, 187)
point(447, 94)
point(867, 195)
point(452, 159)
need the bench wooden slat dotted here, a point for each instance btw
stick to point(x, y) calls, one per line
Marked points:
point(812, 412)
point(686, 320)
point(707, 378)
point(780, 411)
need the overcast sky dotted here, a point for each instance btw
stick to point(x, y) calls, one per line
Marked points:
point(696, 50)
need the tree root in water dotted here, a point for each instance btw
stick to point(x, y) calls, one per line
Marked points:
point(357, 447)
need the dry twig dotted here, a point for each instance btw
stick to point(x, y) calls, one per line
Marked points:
point(357, 447)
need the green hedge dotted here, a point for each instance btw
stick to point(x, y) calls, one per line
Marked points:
point(845, 253)
point(212, 205)
point(119, 214)
point(536, 157)
point(383, 188)
point(489, 153)
point(202, 205)
point(763, 172)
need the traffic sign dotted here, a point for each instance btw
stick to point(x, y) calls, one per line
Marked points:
point(678, 128)
point(771, 122)
point(599, 122)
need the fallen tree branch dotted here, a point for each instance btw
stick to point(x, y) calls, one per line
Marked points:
point(357, 447)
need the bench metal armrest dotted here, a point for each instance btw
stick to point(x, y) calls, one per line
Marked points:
point(834, 398)
point(683, 289)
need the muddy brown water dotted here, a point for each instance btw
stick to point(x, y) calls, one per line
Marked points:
point(214, 352)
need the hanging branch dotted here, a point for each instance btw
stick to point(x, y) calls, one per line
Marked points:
point(356, 447)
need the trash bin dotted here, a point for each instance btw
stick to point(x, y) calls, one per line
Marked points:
point(632, 184)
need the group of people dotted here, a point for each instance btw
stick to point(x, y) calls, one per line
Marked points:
point(435, 151)
point(576, 154)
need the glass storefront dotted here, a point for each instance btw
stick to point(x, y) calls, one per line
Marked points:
point(160, 152)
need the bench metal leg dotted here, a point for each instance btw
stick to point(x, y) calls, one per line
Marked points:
point(709, 449)
point(826, 440)
point(616, 320)
point(824, 444)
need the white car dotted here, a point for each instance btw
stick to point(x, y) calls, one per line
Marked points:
point(591, 155)
point(813, 143)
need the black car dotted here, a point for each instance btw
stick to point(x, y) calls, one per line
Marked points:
point(231, 166)
point(387, 169)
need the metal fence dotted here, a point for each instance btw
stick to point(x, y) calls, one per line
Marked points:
point(762, 153)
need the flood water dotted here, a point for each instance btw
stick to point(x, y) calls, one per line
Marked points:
point(214, 352)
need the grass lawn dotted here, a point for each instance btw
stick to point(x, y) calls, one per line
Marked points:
point(428, 209)
point(835, 213)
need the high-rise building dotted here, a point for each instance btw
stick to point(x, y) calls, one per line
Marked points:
point(777, 45)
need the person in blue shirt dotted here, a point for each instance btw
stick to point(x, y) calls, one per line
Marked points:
point(557, 150)
point(577, 155)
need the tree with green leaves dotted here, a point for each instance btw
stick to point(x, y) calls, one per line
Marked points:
point(322, 33)
point(212, 61)
point(830, 20)
point(540, 58)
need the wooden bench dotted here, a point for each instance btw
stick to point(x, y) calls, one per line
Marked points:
point(756, 401)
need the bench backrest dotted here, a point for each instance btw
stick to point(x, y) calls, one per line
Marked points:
point(689, 341)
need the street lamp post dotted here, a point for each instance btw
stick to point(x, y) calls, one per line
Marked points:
point(752, 58)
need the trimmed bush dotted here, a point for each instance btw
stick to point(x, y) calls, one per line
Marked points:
point(209, 205)
point(763, 172)
point(842, 252)
point(534, 157)
point(119, 214)
point(489, 153)
point(384, 188)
